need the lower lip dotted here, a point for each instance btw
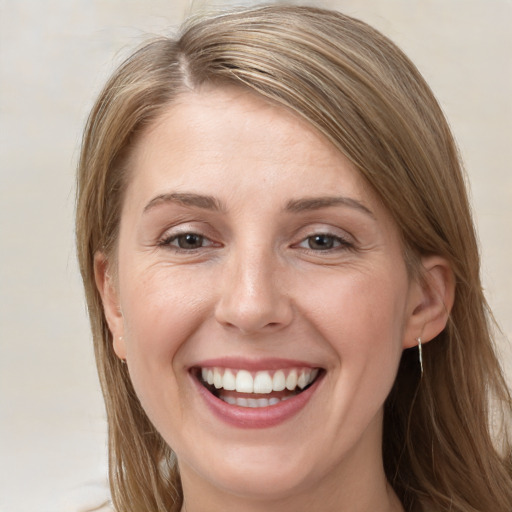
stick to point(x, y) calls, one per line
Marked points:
point(260, 417)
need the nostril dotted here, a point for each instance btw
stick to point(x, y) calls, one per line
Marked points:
point(250, 300)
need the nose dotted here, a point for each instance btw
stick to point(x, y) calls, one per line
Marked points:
point(252, 297)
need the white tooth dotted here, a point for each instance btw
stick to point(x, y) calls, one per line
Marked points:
point(313, 375)
point(228, 381)
point(263, 402)
point(286, 397)
point(244, 382)
point(252, 402)
point(273, 400)
point(204, 374)
point(210, 376)
point(242, 402)
point(229, 399)
point(279, 381)
point(263, 383)
point(291, 380)
point(217, 378)
point(303, 379)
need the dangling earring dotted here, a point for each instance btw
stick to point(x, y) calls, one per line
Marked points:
point(420, 355)
point(122, 360)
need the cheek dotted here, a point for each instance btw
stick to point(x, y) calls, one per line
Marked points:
point(161, 311)
point(362, 316)
point(359, 302)
point(161, 308)
point(362, 319)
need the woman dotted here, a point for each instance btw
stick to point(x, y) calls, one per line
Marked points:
point(283, 277)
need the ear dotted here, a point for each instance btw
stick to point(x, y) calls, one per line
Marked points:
point(110, 298)
point(431, 300)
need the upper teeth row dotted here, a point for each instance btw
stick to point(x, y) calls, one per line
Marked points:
point(259, 382)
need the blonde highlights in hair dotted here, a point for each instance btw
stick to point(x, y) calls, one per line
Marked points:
point(359, 90)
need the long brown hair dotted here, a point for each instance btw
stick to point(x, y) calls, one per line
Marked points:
point(361, 92)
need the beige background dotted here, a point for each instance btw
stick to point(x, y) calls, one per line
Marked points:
point(55, 55)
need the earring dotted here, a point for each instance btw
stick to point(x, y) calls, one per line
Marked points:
point(123, 361)
point(420, 355)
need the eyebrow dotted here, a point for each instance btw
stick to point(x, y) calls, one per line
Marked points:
point(295, 205)
point(317, 203)
point(186, 199)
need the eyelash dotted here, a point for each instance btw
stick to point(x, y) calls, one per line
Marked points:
point(168, 241)
point(339, 243)
point(336, 242)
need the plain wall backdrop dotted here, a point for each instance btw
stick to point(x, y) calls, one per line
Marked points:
point(54, 57)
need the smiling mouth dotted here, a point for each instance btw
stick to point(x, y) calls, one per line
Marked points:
point(258, 389)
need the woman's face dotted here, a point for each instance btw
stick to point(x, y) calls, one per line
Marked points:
point(252, 254)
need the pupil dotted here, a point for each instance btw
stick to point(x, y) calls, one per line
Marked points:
point(321, 242)
point(190, 241)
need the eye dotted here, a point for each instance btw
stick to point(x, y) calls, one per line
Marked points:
point(323, 242)
point(186, 241)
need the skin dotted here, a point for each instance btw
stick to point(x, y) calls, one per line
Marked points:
point(258, 287)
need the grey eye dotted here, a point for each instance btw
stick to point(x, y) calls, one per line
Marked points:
point(322, 242)
point(188, 241)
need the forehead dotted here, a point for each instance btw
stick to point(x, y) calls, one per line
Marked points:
point(230, 136)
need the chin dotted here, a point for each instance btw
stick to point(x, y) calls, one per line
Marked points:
point(256, 480)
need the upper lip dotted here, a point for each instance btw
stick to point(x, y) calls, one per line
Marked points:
point(254, 365)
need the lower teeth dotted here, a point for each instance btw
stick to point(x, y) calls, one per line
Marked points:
point(252, 402)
